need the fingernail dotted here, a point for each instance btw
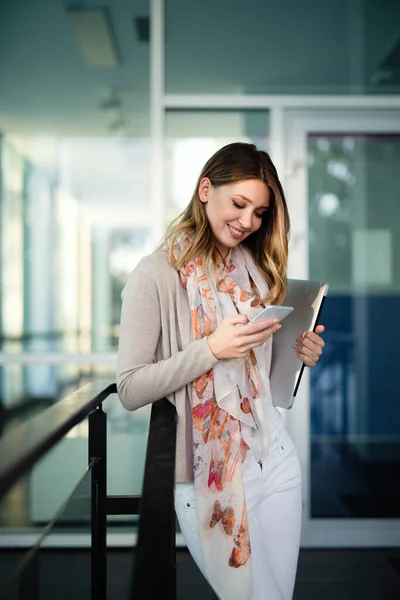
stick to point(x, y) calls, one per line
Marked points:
point(275, 321)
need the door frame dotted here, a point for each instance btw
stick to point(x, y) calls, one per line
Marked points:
point(298, 124)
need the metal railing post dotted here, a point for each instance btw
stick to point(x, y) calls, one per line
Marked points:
point(29, 581)
point(98, 450)
point(154, 574)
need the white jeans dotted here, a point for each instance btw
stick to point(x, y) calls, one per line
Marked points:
point(273, 499)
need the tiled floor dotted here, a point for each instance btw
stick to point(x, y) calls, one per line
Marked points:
point(322, 575)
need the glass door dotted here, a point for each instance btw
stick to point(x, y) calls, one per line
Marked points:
point(343, 182)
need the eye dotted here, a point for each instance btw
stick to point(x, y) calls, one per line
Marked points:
point(237, 205)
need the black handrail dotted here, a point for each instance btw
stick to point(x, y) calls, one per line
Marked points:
point(21, 448)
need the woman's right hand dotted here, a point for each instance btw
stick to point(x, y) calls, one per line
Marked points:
point(235, 337)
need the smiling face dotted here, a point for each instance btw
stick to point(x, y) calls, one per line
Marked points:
point(234, 210)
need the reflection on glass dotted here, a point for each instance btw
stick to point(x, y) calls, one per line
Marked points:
point(74, 171)
point(12, 271)
point(193, 136)
point(354, 223)
point(37, 386)
point(259, 47)
point(71, 233)
point(35, 499)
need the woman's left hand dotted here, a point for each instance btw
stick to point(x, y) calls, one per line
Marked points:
point(309, 346)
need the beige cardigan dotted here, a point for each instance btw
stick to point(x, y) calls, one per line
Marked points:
point(156, 354)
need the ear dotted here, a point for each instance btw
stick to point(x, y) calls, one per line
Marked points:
point(204, 189)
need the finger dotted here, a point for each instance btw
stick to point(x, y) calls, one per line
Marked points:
point(261, 325)
point(311, 340)
point(318, 330)
point(310, 349)
point(255, 338)
point(237, 320)
point(254, 344)
point(309, 353)
point(249, 347)
point(305, 358)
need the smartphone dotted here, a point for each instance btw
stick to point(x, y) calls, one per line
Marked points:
point(273, 312)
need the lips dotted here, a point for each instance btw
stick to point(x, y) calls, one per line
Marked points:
point(235, 233)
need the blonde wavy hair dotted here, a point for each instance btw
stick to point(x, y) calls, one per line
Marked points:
point(268, 245)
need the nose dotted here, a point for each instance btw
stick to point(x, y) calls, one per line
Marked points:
point(246, 219)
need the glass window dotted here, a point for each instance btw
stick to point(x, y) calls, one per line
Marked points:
point(32, 500)
point(290, 47)
point(354, 222)
point(74, 172)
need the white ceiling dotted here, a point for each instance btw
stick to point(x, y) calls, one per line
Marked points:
point(45, 86)
point(213, 46)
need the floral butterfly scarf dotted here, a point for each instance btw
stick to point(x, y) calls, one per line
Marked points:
point(222, 405)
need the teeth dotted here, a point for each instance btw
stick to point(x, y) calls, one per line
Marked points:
point(236, 230)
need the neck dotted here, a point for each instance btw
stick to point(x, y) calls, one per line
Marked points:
point(223, 254)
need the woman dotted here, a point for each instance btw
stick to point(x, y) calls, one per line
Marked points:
point(185, 334)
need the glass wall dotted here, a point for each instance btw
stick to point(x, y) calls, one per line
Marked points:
point(354, 223)
point(75, 218)
point(275, 47)
point(70, 236)
point(35, 499)
point(74, 171)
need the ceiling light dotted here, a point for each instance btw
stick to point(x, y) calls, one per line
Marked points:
point(95, 37)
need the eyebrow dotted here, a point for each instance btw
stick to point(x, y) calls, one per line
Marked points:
point(251, 202)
